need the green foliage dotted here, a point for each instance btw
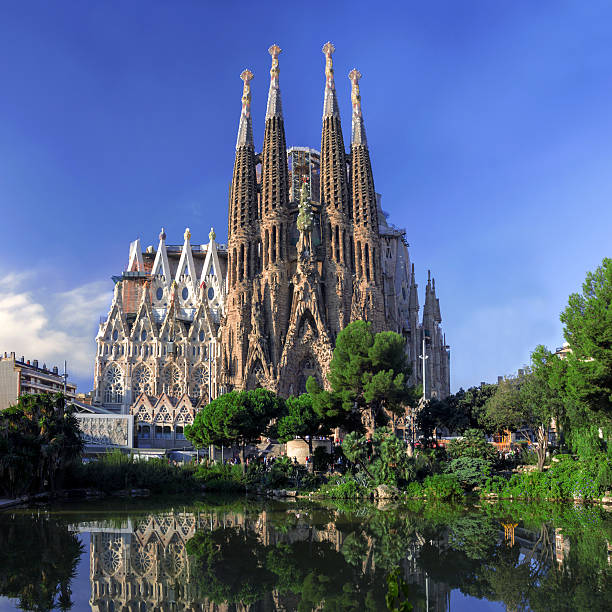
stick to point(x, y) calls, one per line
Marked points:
point(116, 471)
point(222, 477)
point(566, 479)
point(588, 330)
point(300, 421)
point(473, 444)
point(442, 486)
point(238, 417)
point(345, 487)
point(456, 413)
point(321, 459)
point(368, 372)
point(470, 471)
point(38, 560)
point(39, 439)
point(397, 593)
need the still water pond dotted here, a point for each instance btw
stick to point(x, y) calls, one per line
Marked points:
point(238, 554)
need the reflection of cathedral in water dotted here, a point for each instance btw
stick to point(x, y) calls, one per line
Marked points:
point(143, 565)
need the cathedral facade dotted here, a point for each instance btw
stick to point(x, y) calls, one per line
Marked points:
point(191, 321)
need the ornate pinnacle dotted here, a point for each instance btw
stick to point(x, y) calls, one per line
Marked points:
point(274, 108)
point(274, 51)
point(212, 235)
point(187, 234)
point(330, 103)
point(328, 50)
point(245, 129)
point(247, 76)
point(162, 234)
point(358, 133)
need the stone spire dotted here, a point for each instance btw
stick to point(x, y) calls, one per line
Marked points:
point(358, 135)
point(413, 297)
point(274, 107)
point(274, 171)
point(330, 101)
point(245, 127)
point(334, 183)
point(365, 206)
point(243, 191)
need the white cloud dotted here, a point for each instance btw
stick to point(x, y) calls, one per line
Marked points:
point(52, 327)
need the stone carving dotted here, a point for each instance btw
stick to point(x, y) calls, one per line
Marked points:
point(105, 430)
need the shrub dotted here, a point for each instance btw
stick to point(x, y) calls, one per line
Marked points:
point(442, 486)
point(116, 471)
point(470, 471)
point(473, 444)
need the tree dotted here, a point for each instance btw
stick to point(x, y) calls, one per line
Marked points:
point(300, 421)
point(588, 330)
point(368, 376)
point(530, 401)
point(237, 417)
point(39, 438)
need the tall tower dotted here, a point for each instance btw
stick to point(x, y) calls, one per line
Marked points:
point(368, 301)
point(275, 219)
point(241, 245)
point(335, 208)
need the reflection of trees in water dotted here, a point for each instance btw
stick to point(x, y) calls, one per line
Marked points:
point(305, 557)
point(38, 559)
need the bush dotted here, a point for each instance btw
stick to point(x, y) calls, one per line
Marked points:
point(442, 486)
point(222, 477)
point(470, 471)
point(566, 479)
point(116, 471)
point(345, 487)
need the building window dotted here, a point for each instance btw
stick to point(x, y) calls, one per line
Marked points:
point(167, 432)
point(185, 293)
point(171, 382)
point(143, 335)
point(113, 385)
point(141, 380)
point(115, 334)
point(160, 293)
point(159, 430)
point(179, 432)
point(200, 382)
point(144, 432)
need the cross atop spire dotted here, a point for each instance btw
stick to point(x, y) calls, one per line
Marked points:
point(358, 134)
point(274, 108)
point(330, 102)
point(245, 128)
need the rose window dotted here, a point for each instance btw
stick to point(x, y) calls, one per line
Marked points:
point(172, 382)
point(200, 382)
point(141, 381)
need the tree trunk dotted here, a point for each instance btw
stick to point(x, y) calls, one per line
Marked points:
point(242, 447)
point(542, 446)
point(311, 464)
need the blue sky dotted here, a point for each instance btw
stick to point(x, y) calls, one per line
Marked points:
point(489, 126)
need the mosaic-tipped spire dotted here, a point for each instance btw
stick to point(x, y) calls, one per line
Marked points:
point(245, 128)
point(358, 134)
point(330, 101)
point(274, 108)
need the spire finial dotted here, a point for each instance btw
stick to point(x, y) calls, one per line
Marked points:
point(245, 128)
point(212, 235)
point(358, 134)
point(330, 104)
point(274, 108)
point(187, 234)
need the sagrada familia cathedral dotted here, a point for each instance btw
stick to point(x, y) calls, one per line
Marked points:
point(309, 250)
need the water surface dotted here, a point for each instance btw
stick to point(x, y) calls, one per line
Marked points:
point(240, 554)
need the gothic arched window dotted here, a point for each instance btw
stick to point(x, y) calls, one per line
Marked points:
point(141, 381)
point(172, 382)
point(113, 385)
